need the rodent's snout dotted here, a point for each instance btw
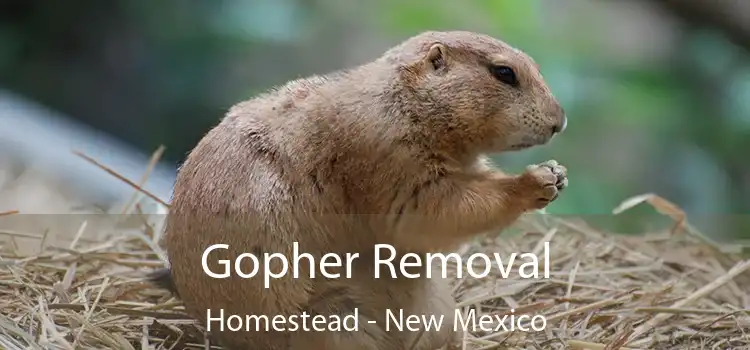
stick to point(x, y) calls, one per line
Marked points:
point(561, 120)
point(560, 127)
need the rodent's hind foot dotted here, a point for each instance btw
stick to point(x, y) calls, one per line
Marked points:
point(162, 278)
point(370, 337)
point(452, 346)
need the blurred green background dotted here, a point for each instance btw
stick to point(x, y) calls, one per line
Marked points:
point(657, 92)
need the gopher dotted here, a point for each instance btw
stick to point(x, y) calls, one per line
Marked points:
point(394, 151)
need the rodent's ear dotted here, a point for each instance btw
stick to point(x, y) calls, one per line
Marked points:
point(436, 56)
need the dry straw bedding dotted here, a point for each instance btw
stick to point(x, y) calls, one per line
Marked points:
point(662, 291)
point(657, 291)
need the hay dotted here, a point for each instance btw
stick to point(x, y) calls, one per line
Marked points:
point(658, 291)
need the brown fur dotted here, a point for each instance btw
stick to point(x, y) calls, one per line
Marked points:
point(392, 151)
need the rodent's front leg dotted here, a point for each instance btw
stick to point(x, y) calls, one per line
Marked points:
point(444, 211)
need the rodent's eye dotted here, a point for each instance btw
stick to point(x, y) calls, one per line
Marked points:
point(504, 74)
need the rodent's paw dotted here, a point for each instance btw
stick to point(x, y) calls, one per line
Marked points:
point(452, 346)
point(543, 183)
point(561, 174)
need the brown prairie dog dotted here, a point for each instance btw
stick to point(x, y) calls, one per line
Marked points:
point(392, 151)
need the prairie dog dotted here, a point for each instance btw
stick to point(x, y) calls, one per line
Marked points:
point(392, 151)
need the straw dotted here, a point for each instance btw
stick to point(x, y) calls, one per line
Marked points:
point(605, 292)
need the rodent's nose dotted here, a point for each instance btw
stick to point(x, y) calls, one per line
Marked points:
point(560, 127)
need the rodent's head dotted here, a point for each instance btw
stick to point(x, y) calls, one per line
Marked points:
point(480, 88)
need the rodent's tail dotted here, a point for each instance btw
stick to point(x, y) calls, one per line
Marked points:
point(162, 278)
